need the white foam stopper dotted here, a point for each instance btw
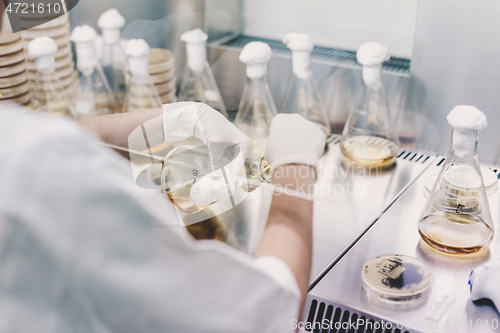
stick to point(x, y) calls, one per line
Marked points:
point(371, 55)
point(84, 36)
point(111, 19)
point(195, 49)
point(256, 55)
point(43, 50)
point(466, 121)
point(83, 33)
point(301, 46)
point(110, 23)
point(137, 52)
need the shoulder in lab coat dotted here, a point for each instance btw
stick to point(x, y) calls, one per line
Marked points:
point(82, 250)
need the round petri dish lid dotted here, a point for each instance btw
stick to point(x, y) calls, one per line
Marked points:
point(14, 80)
point(490, 180)
point(11, 59)
point(60, 63)
point(163, 77)
point(23, 99)
point(396, 281)
point(60, 41)
point(168, 97)
point(10, 43)
point(56, 32)
point(10, 92)
point(9, 38)
point(62, 51)
point(13, 69)
point(157, 56)
point(166, 87)
point(25, 23)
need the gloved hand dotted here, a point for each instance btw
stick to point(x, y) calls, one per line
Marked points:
point(483, 283)
point(183, 120)
point(294, 140)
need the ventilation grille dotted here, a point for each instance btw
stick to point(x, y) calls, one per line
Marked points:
point(339, 319)
point(326, 55)
point(412, 156)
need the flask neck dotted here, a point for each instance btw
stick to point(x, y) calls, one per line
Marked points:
point(45, 64)
point(85, 54)
point(301, 64)
point(111, 36)
point(464, 142)
point(139, 66)
point(256, 71)
point(196, 56)
point(372, 76)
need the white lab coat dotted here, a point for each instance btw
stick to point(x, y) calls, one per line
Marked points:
point(82, 250)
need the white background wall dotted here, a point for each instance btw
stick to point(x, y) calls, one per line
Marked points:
point(336, 23)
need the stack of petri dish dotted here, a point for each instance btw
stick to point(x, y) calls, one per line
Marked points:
point(14, 87)
point(58, 30)
point(162, 71)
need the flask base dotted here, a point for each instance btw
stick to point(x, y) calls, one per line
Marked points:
point(455, 233)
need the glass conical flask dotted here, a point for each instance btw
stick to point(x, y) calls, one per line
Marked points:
point(456, 218)
point(142, 92)
point(113, 56)
point(302, 95)
point(256, 109)
point(339, 91)
point(93, 95)
point(48, 93)
point(198, 82)
point(369, 137)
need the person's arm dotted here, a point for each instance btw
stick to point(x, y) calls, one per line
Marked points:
point(288, 234)
point(115, 129)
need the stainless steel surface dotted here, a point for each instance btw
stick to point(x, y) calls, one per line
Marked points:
point(396, 232)
point(350, 199)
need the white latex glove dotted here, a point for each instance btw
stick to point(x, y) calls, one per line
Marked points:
point(484, 283)
point(185, 119)
point(294, 140)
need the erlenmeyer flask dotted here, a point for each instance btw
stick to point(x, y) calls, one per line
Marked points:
point(456, 218)
point(48, 94)
point(338, 93)
point(302, 95)
point(93, 96)
point(256, 109)
point(198, 82)
point(142, 91)
point(369, 137)
point(113, 56)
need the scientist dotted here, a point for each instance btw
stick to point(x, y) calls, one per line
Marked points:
point(83, 249)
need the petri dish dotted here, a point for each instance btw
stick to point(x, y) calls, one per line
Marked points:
point(60, 63)
point(10, 43)
point(490, 180)
point(161, 56)
point(55, 32)
point(60, 41)
point(168, 97)
point(14, 80)
point(396, 281)
point(165, 88)
point(13, 69)
point(11, 59)
point(163, 77)
point(10, 92)
point(26, 23)
point(23, 99)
